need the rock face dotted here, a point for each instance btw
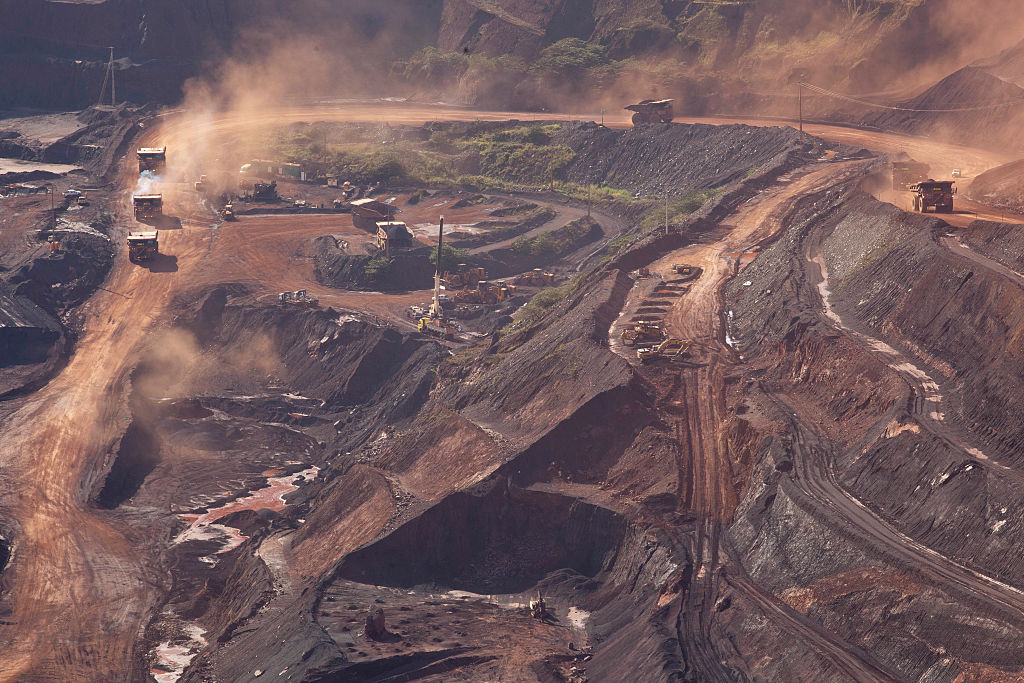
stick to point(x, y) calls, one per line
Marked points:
point(159, 45)
point(904, 444)
point(375, 627)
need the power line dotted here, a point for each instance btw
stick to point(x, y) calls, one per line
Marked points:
point(840, 96)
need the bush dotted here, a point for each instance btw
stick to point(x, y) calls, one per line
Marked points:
point(378, 268)
point(450, 256)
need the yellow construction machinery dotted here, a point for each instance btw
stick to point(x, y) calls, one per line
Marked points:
point(143, 246)
point(484, 293)
point(437, 327)
point(152, 159)
point(669, 347)
point(642, 332)
point(228, 213)
point(906, 173)
point(147, 206)
point(688, 272)
point(536, 277)
point(652, 111)
point(464, 276)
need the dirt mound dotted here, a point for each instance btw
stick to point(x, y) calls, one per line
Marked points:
point(993, 110)
point(61, 281)
point(892, 397)
point(684, 158)
point(1002, 187)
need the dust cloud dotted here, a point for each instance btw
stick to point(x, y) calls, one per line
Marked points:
point(175, 365)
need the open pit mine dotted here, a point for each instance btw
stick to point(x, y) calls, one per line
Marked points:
point(511, 341)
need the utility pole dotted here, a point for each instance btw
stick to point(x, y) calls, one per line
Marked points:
point(800, 99)
point(602, 118)
point(666, 211)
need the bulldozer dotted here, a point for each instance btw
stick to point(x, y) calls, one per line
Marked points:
point(143, 246)
point(147, 206)
point(536, 277)
point(669, 347)
point(152, 159)
point(642, 332)
point(484, 293)
point(688, 272)
point(934, 194)
point(652, 111)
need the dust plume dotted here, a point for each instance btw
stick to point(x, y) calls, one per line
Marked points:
point(175, 365)
point(299, 61)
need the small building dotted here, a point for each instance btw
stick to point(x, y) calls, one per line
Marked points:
point(268, 169)
point(393, 235)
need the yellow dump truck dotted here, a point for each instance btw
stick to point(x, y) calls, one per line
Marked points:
point(906, 173)
point(152, 159)
point(147, 206)
point(143, 246)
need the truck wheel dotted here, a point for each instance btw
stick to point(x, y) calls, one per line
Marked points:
point(638, 119)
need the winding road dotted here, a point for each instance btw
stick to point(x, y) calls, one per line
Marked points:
point(81, 592)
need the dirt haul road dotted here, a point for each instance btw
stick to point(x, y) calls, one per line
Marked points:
point(80, 590)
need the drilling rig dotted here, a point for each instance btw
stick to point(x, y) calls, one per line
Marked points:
point(434, 323)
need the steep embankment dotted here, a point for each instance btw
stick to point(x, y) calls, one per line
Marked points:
point(1002, 187)
point(880, 389)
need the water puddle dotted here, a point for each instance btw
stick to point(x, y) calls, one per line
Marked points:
point(203, 527)
point(172, 659)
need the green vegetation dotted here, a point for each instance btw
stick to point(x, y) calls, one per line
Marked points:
point(450, 256)
point(378, 268)
point(572, 59)
point(557, 242)
point(476, 157)
point(678, 209)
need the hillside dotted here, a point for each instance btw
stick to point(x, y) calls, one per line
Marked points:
point(514, 53)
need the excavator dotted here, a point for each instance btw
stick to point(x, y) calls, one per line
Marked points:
point(669, 347)
point(642, 332)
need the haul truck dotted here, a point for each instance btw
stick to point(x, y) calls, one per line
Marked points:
point(652, 111)
point(152, 159)
point(143, 246)
point(147, 206)
point(934, 194)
